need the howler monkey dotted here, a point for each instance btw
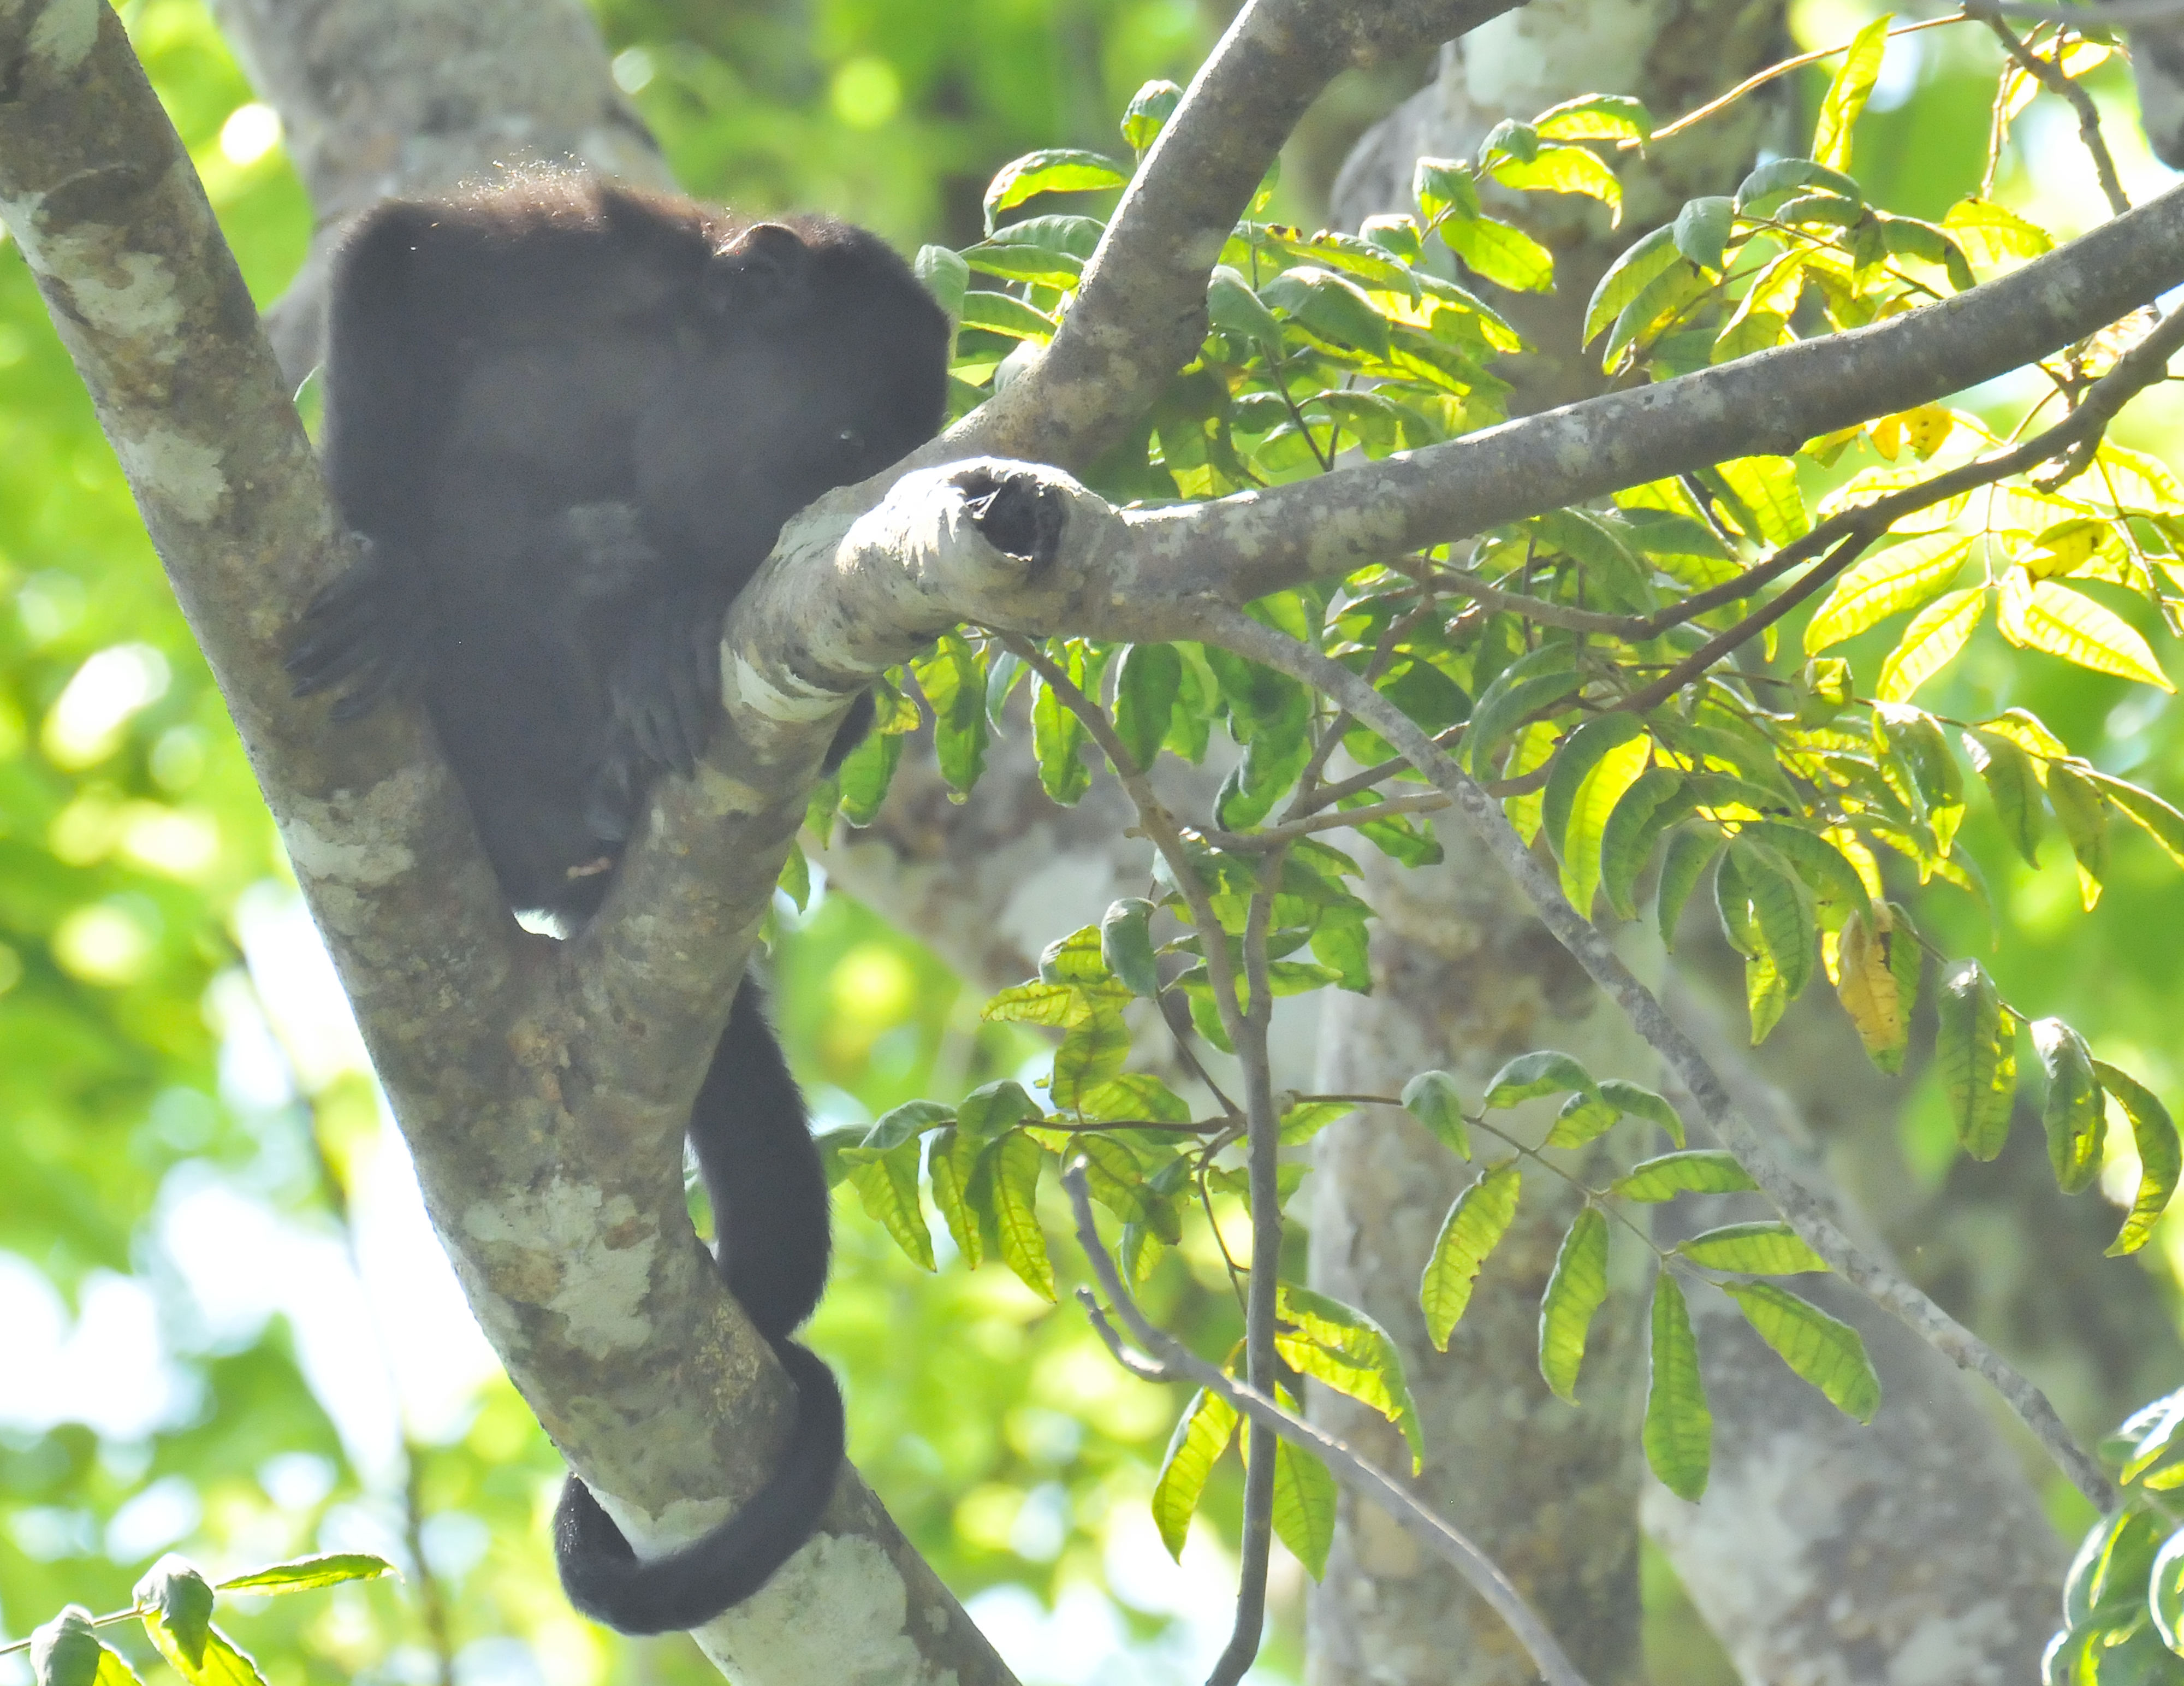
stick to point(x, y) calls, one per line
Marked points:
point(566, 421)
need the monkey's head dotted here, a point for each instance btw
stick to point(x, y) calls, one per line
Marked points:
point(821, 360)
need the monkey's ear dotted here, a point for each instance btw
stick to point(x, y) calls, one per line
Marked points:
point(762, 269)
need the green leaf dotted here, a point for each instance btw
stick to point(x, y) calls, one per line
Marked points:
point(1846, 95)
point(1770, 1247)
point(1304, 1500)
point(1884, 582)
point(1691, 853)
point(2047, 616)
point(1565, 169)
point(2013, 785)
point(2165, 1591)
point(1474, 1226)
point(1017, 1165)
point(1501, 252)
point(2159, 821)
point(865, 775)
point(1058, 740)
point(1701, 1170)
point(944, 275)
point(309, 1574)
point(1092, 1051)
point(1654, 802)
point(1679, 1431)
point(1003, 312)
point(1580, 1120)
point(1433, 1098)
point(1126, 944)
point(992, 1108)
point(887, 1188)
point(1535, 680)
point(1036, 1003)
point(1201, 1434)
point(1975, 1047)
point(1576, 1290)
point(1145, 688)
point(1782, 176)
point(1060, 170)
point(2077, 803)
point(1443, 187)
point(1700, 233)
point(955, 685)
point(1595, 117)
point(1783, 930)
point(215, 1662)
point(1599, 762)
point(66, 1652)
point(951, 1165)
point(1642, 262)
point(1114, 1177)
point(1823, 1352)
point(2159, 1155)
point(1301, 1123)
point(1542, 1072)
point(1633, 1102)
point(1019, 260)
point(1135, 1095)
point(1148, 112)
point(905, 1122)
point(1332, 305)
point(181, 1599)
point(1767, 488)
point(2072, 1114)
point(1930, 642)
point(1342, 1347)
point(2109, 1576)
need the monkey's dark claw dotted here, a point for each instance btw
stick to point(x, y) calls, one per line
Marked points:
point(368, 624)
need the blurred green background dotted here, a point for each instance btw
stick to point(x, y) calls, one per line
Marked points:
point(224, 1327)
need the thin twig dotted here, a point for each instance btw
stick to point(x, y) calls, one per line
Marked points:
point(1170, 1360)
point(1482, 816)
point(2050, 75)
point(1768, 75)
point(1158, 824)
point(1275, 836)
point(1262, 1150)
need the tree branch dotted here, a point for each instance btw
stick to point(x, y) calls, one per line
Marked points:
point(1141, 313)
point(541, 1098)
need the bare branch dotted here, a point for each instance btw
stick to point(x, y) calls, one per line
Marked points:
point(1172, 1361)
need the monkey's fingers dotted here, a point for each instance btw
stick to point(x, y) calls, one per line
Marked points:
point(397, 673)
point(694, 715)
point(330, 656)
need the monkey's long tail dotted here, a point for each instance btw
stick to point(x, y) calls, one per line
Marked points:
point(690, 1585)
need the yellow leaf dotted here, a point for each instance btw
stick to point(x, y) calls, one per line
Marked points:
point(1877, 586)
point(1930, 642)
point(1868, 988)
point(2042, 615)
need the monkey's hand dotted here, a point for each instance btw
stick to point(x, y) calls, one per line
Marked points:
point(666, 687)
point(370, 625)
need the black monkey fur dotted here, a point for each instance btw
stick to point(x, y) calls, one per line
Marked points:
point(567, 421)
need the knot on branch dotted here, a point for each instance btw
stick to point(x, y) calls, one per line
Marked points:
point(1018, 514)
